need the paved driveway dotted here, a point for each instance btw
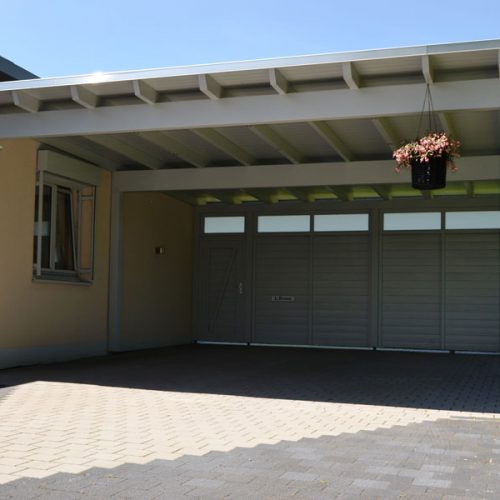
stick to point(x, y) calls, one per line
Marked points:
point(217, 422)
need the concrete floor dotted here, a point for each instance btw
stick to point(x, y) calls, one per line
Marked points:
point(231, 422)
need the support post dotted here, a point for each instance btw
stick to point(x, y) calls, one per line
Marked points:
point(115, 270)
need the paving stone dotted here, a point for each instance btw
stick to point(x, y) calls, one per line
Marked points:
point(252, 423)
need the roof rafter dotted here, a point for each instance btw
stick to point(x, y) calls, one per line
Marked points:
point(84, 97)
point(470, 189)
point(274, 139)
point(231, 197)
point(448, 124)
point(326, 132)
point(351, 75)
point(145, 92)
point(126, 150)
point(343, 193)
point(387, 131)
point(175, 147)
point(302, 194)
point(221, 142)
point(385, 192)
point(184, 197)
point(428, 194)
point(264, 195)
point(26, 101)
point(72, 146)
point(428, 69)
point(210, 87)
point(278, 82)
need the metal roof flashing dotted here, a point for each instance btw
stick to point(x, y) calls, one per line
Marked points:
point(33, 82)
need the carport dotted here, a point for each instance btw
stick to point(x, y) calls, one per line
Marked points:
point(301, 232)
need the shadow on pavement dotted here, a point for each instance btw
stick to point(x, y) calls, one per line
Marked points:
point(416, 380)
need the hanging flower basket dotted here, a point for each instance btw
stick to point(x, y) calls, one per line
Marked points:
point(428, 158)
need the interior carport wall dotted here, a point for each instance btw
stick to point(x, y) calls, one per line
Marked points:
point(427, 289)
point(156, 272)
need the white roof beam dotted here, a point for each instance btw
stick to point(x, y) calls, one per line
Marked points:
point(275, 140)
point(387, 131)
point(428, 69)
point(69, 145)
point(278, 81)
point(326, 132)
point(175, 147)
point(145, 92)
point(351, 75)
point(396, 100)
point(126, 150)
point(362, 173)
point(227, 146)
point(26, 101)
point(210, 87)
point(84, 97)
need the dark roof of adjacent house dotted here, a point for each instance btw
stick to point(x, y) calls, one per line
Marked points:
point(10, 71)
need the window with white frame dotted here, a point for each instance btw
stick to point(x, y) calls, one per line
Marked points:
point(64, 221)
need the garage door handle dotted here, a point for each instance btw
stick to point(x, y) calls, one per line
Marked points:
point(240, 288)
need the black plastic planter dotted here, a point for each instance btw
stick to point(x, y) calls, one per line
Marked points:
point(429, 175)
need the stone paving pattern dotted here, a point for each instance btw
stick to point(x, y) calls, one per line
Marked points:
point(226, 422)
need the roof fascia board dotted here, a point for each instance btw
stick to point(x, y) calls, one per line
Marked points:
point(279, 62)
point(372, 102)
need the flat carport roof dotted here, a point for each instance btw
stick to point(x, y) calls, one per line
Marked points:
point(297, 128)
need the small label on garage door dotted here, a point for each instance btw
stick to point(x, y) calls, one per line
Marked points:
point(282, 298)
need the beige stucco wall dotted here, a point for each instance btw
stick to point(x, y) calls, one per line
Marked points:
point(45, 321)
point(156, 299)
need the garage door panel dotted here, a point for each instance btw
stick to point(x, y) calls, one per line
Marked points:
point(411, 290)
point(282, 269)
point(341, 290)
point(473, 291)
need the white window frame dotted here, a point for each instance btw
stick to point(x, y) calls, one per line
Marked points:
point(73, 176)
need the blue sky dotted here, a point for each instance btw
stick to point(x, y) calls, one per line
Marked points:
point(62, 37)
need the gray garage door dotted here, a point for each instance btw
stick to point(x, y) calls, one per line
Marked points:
point(430, 287)
point(441, 291)
point(312, 290)
point(473, 291)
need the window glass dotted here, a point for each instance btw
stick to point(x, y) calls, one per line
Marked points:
point(473, 220)
point(64, 244)
point(46, 226)
point(341, 222)
point(283, 223)
point(224, 225)
point(66, 227)
point(411, 221)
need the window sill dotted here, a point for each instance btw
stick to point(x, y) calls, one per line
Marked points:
point(49, 281)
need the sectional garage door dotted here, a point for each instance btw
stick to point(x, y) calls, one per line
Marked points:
point(312, 290)
point(441, 291)
point(434, 288)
